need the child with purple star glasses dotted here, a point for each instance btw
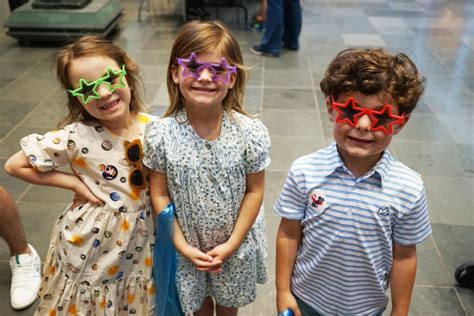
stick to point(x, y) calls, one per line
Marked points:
point(207, 159)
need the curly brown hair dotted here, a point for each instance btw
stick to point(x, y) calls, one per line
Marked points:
point(87, 46)
point(374, 71)
point(200, 37)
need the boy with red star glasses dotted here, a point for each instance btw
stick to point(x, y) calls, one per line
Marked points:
point(353, 201)
point(383, 120)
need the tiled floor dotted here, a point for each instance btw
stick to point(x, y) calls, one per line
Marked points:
point(438, 141)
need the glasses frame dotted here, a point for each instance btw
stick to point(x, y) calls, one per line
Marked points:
point(211, 67)
point(372, 114)
point(79, 91)
point(137, 165)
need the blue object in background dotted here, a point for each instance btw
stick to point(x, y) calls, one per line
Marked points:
point(164, 266)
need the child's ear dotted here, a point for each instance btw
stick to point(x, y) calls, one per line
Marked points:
point(399, 127)
point(233, 79)
point(330, 109)
point(174, 73)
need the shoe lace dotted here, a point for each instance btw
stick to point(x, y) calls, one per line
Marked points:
point(22, 274)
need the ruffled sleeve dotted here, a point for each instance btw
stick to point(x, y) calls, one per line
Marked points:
point(257, 146)
point(51, 150)
point(154, 146)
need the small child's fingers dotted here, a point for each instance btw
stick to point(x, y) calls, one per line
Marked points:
point(216, 270)
point(203, 264)
point(203, 257)
point(203, 269)
point(209, 269)
point(95, 200)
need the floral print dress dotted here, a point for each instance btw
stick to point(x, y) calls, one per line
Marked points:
point(100, 257)
point(207, 183)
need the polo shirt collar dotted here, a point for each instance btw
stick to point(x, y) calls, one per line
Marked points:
point(381, 167)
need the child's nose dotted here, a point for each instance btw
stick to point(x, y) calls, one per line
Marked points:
point(364, 123)
point(205, 75)
point(103, 90)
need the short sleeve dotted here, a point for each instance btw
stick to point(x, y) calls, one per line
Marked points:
point(257, 147)
point(291, 203)
point(414, 226)
point(154, 146)
point(49, 151)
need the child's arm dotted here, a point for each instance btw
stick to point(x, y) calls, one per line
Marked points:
point(402, 278)
point(160, 198)
point(19, 167)
point(287, 244)
point(255, 183)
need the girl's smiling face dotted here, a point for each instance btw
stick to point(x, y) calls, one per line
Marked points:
point(111, 106)
point(202, 91)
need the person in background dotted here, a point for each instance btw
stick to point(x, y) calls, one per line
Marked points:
point(260, 17)
point(282, 28)
point(25, 262)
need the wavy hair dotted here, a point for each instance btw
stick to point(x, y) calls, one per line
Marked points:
point(374, 71)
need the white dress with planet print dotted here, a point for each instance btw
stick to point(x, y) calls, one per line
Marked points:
point(100, 257)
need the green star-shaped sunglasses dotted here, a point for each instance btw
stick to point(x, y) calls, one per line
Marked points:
point(88, 90)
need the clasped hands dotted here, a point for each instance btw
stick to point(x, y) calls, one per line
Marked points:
point(212, 260)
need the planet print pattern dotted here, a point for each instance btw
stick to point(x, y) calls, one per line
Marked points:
point(100, 257)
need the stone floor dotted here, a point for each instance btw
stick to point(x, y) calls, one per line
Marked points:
point(437, 142)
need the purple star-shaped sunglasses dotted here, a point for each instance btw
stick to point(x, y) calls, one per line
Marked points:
point(219, 71)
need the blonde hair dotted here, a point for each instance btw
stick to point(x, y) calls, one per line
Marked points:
point(88, 46)
point(200, 37)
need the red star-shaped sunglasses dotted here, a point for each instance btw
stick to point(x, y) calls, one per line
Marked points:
point(382, 120)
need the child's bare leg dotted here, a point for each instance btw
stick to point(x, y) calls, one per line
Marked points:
point(10, 226)
point(226, 311)
point(207, 308)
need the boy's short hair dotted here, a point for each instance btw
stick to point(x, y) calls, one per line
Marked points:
point(374, 71)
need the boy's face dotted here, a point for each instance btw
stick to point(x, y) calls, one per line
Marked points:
point(360, 141)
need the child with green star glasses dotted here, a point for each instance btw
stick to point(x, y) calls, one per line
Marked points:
point(102, 245)
point(88, 90)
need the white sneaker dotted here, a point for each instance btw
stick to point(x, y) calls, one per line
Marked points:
point(26, 279)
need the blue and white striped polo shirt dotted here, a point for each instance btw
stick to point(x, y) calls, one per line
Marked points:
point(349, 224)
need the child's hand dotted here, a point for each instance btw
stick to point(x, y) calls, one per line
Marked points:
point(285, 299)
point(221, 252)
point(83, 195)
point(202, 261)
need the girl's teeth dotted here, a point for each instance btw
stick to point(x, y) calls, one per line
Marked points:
point(108, 106)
